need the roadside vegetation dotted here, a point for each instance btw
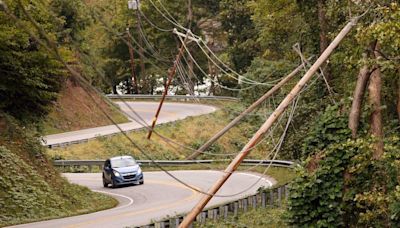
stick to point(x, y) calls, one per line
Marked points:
point(345, 127)
point(74, 110)
point(255, 218)
point(191, 132)
point(31, 189)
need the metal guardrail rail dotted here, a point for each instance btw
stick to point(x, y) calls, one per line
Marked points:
point(148, 163)
point(170, 97)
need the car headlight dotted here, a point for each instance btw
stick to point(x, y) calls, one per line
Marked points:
point(116, 173)
point(139, 171)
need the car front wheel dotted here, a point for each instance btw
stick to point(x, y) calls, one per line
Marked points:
point(113, 183)
point(105, 184)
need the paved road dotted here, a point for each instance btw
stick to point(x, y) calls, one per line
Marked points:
point(170, 112)
point(157, 198)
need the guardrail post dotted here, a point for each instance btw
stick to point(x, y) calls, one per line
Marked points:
point(177, 222)
point(209, 214)
point(215, 214)
point(286, 192)
point(203, 216)
point(244, 201)
point(235, 208)
point(263, 199)
point(226, 208)
point(271, 198)
point(279, 196)
point(254, 201)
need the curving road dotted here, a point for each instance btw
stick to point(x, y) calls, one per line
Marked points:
point(157, 198)
point(169, 112)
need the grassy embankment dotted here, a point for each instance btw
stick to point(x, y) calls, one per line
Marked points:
point(74, 110)
point(191, 132)
point(31, 189)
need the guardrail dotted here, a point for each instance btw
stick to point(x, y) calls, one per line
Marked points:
point(147, 163)
point(267, 198)
point(170, 97)
point(272, 197)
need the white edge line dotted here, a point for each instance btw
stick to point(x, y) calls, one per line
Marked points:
point(265, 179)
point(114, 194)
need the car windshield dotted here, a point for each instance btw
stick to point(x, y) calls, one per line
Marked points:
point(123, 162)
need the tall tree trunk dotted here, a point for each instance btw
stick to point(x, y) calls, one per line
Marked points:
point(359, 91)
point(323, 35)
point(374, 89)
point(398, 98)
point(142, 66)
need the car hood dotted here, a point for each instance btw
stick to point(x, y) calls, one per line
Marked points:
point(127, 169)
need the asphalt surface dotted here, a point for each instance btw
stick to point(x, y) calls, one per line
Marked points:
point(146, 110)
point(160, 196)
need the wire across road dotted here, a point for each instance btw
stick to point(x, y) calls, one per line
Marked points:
point(157, 198)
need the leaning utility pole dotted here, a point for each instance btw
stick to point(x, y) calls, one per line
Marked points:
point(267, 125)
point(171, 74)
point(132, 57)
point(235, 121)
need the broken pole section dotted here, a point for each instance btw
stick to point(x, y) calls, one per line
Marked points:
point(235, 121)
point(267, 125)
point(171, 74)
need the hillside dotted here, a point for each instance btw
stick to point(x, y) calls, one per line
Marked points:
point(31, 189)
point(74, 110)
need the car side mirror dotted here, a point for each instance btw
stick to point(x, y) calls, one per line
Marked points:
point(140, 164)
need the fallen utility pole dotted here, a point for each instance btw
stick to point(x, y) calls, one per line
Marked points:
point(171, 74)
point(235, 121)
point(132, 58)
point(267, 125)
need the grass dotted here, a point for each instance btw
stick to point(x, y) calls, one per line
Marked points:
point(31, 189)
point(191, 132)
point(254, 218)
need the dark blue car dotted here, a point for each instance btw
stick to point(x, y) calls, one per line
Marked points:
point(120, 171)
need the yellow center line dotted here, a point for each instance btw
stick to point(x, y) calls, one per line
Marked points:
point(126, 214)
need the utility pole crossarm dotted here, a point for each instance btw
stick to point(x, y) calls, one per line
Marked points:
point(267, 125)
point(188, 35)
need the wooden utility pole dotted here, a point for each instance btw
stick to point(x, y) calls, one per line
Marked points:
point(235, 121)
point(267, 125)
point(171, 74)
point(132, 57)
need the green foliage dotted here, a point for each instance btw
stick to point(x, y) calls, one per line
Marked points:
point(329, 128)
point(264, 71)
point(281, 25)
point(31, 189)
point(236, 20)
point(255, 218)
point(30, 78)
point(340, 186)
